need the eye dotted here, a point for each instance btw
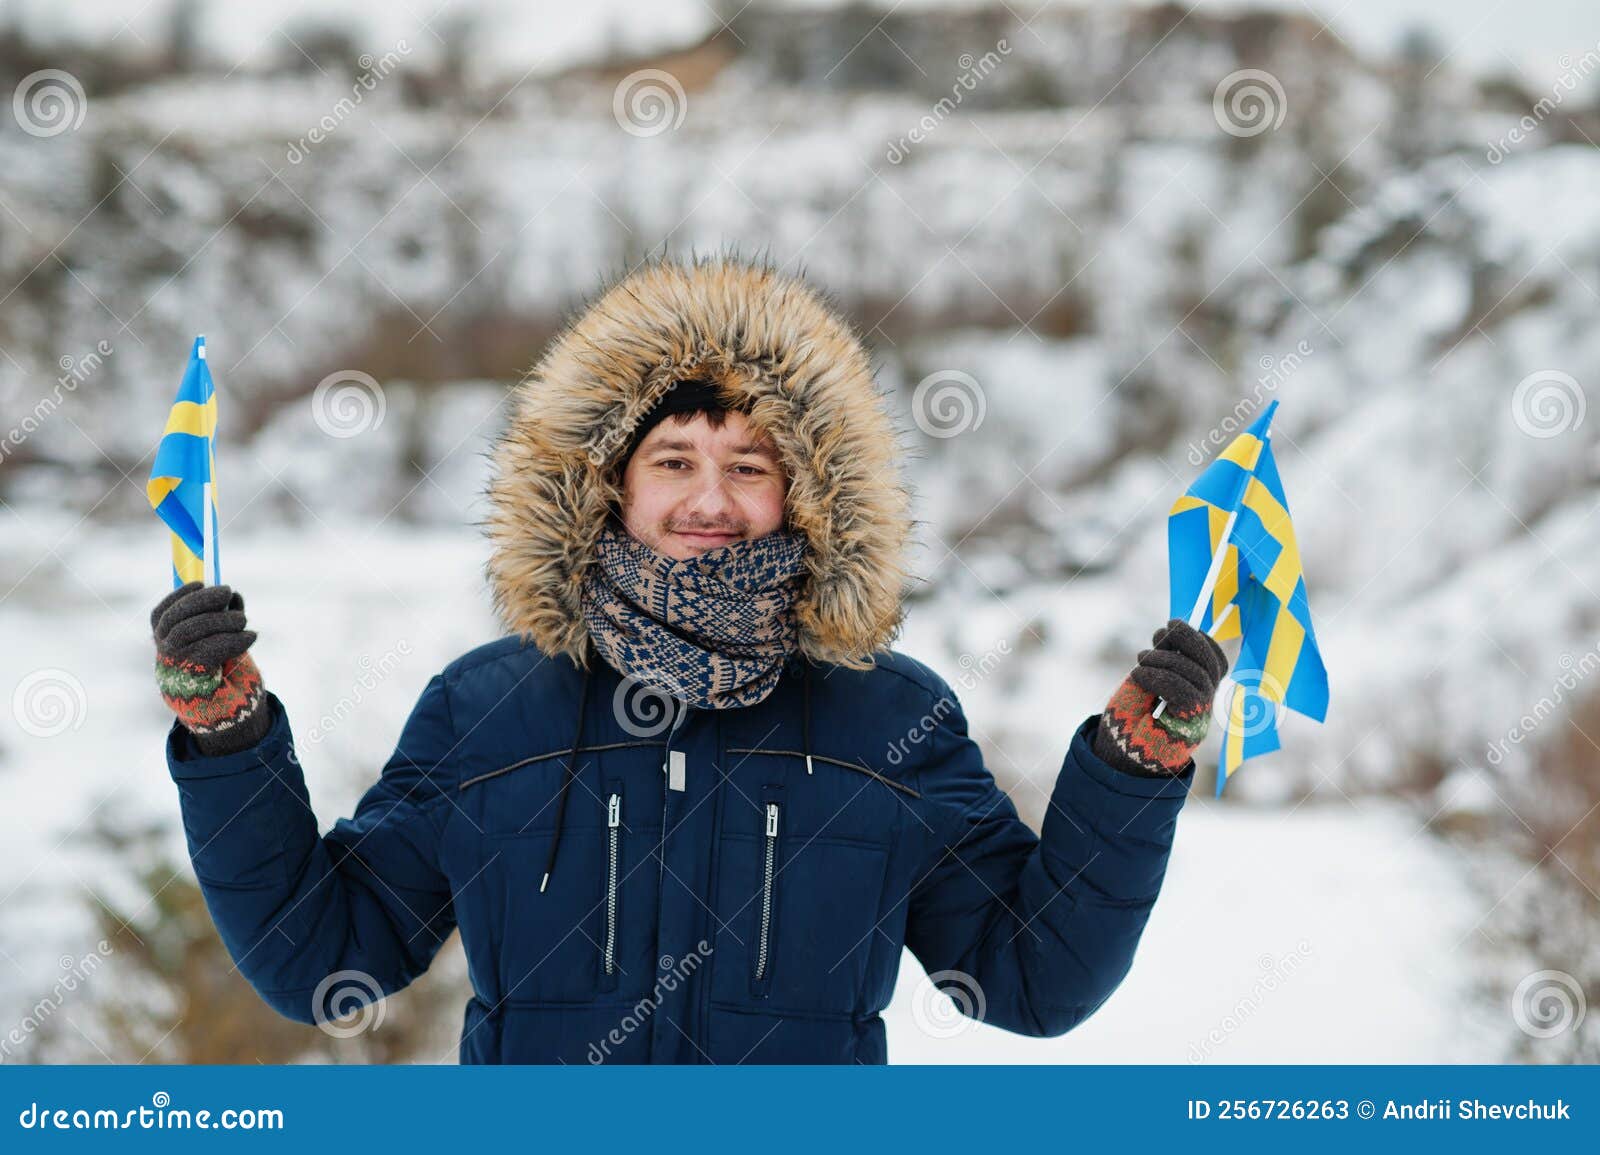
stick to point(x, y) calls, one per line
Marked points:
point(672, 463)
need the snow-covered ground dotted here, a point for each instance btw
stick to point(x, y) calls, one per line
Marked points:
point(1322, 934)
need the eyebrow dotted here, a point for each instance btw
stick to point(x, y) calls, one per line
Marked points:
point(678, 445)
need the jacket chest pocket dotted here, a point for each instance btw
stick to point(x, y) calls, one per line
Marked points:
point(800, 880)
point(590, 928)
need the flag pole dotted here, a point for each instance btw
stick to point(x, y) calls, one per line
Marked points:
point(1194, 620)
point(210, 534)
point(208, 538)
point(1198, 613)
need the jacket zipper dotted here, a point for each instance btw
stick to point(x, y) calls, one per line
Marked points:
point(666, 796)
point(613, 838)
point(764, 942)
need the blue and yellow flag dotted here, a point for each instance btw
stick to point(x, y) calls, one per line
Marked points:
point(183, 479)
point(1232, 529)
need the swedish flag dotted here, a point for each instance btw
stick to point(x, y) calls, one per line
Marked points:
point(182, 487)
point(1231, 543)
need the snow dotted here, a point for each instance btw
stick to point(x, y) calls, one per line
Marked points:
point(1299, 936)
point(508, 36)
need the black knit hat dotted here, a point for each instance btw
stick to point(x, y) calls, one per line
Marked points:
point(689, 396)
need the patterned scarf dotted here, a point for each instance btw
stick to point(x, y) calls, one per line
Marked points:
point(713, 630)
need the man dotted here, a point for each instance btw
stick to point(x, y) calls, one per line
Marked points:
point(692, 806)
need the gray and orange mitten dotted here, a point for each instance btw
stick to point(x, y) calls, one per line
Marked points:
point(205, 673)
point(1184, 669)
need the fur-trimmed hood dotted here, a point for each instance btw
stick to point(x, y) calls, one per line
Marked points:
point(773, 344)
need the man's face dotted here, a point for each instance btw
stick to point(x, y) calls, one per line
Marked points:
point(690, 488)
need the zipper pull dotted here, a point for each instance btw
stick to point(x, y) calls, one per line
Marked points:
point(614, 810)
point(772, 820)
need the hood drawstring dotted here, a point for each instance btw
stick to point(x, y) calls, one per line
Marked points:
point(569, 775)
point(805, 710)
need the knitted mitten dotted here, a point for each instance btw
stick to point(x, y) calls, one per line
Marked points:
point(1184, 670)
point(205, 674)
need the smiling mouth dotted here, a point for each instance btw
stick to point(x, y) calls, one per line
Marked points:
point(706, 538)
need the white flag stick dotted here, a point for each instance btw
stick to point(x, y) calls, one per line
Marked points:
point(208, 522)
point(208, 541)
point(1207, 587)
point(1195, 621)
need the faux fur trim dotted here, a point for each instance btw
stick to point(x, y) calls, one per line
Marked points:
point(771, 342)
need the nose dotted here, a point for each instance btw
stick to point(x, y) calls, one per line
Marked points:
point(714, 501)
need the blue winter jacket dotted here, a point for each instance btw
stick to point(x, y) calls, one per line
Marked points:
point(727, 886)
